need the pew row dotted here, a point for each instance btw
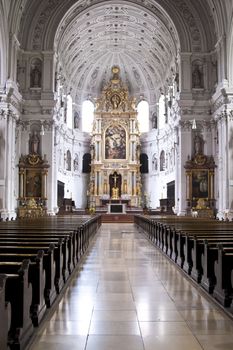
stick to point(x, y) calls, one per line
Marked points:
point(203, 249)
point(51, 251)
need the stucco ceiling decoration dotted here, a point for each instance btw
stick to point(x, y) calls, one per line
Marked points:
point(143, 37)
point(133, 38)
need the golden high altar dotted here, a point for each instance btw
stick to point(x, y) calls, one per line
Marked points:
point(115, 147)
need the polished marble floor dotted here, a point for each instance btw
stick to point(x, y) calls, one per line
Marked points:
point(127, 296)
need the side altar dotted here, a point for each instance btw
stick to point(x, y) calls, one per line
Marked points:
point(33, 171)
point(115, 148)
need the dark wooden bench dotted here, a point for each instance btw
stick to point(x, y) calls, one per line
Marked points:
point(36, 278)
point(48, 266)
point(223, 291)
point(52, 248)
point(62, 266)
point(5, 314)
point(193, 245)
point(18, 292)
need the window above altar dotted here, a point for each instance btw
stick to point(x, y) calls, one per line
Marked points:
point(143, 116)
point(87, 116)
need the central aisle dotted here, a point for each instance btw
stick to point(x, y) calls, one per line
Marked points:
point(128, 296)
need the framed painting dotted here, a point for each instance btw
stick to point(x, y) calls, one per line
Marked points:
point(115, 142)
point(33, 184)
point(200, 184)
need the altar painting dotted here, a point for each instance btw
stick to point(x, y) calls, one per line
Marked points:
point(115, 142)
point(33, 184)
point(200, 184)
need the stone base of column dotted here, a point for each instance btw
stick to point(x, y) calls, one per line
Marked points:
point(182, 213)
point(52, 212)
point(8, 214)
point(226, 215)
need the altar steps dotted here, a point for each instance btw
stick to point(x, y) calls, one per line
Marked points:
point(124, 218)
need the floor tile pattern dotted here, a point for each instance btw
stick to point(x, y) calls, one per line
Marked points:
point(128, 296)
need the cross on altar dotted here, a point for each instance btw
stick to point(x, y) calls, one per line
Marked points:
point(115, 177)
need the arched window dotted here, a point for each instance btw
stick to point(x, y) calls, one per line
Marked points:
point(144, 163)
point(143, 116)
point(69, 112)
point(162, 161)
point(87, 116)
point(86, 163)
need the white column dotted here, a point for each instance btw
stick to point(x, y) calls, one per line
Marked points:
point(184, 149)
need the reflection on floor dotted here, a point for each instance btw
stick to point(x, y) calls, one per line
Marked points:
point(128, 296)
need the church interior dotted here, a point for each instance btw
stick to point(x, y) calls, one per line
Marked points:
point(116, 177)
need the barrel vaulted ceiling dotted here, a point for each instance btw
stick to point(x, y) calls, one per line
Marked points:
point(115, 34)
point(143, 37)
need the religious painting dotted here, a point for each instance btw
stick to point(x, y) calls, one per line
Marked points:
point(200, 184)
point(115, 142)
point(33, 184)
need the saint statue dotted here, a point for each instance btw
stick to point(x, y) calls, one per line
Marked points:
point(198, 145)
point(76, 120)
point(36, 77)
point(197, 77)
point(115, 101)
point(34, 143)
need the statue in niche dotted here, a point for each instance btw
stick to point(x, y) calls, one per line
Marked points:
point(198, 145)
point(154, 121)
point(65, 114)
point(138, 151)
point(35, 75)
point(197, 77)
point(115, 100)
point(155, 163)
point(92, 151)
point(76, 163)
point(177, 81)
point(133, 103)
point(56, 81)
point(34, 143)
point(76, 120)
point(68, 160)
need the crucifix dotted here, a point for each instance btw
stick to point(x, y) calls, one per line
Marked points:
point(115, 177)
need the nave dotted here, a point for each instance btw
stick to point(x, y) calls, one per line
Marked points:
point(127, 295)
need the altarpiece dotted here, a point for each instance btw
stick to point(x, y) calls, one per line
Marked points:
point(115, 147)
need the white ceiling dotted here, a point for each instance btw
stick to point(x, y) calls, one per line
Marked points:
point(143, 45)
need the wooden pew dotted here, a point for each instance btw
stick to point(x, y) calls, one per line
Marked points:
point(18, 292)
point(69, 247)
point(193, 245)
point(36, 278)
point(48, 266)
point(23, 240)
point(5, 314)
point(223, 270)
point(30, 248)
point(61, 254)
